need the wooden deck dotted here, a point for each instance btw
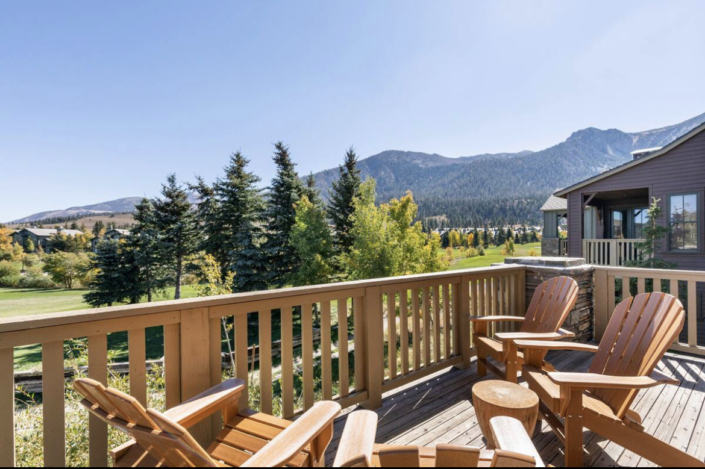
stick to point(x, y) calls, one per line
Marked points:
point(440, 410)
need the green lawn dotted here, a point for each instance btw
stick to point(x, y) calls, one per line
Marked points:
point(493, 256)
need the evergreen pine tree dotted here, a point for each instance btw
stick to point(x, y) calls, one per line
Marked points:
point(311, 192)
point(143, 245)
point(342, 196)
point(216, 229)
point(109, 284)
point(178, 230)
point(284, 194)
point(240, 216)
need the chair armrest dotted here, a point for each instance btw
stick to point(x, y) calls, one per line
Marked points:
point(357, 444)
point(496, 318)
point(510, 435)
point(550, 336)
point(545, 345)
point(289, 443)
point(194, 410)
point(593, 380)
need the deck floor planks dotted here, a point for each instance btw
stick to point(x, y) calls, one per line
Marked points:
point(440, 410)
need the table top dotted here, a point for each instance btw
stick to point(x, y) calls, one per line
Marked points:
point(505, 394)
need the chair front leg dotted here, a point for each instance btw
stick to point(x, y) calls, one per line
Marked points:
point(511, 362)
point(480, 330)
point(573, 427)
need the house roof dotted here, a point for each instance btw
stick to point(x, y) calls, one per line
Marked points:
point(655, 154)
point(122, 232)
point(46, 233)
point(555, 204)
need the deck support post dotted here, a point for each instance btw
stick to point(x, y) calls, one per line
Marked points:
point(374, 340)
point(464, 308)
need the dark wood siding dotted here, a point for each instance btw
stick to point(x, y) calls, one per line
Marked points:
point(678, 171)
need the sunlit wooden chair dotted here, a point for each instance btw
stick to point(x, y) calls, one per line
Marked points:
point(552, 301)
point(249, 439)
point(357, 448)
point(637, 337)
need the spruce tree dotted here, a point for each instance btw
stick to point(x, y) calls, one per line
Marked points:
point(311, 192)
point(109, 284)
point(342, 196)
point(178, 230)
point(284, 194)
point(143, 244)
point(240, 218)
point(215, 229)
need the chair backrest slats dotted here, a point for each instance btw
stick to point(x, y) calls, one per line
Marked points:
point(639, 334)
point(162, 438)
point(550, 305)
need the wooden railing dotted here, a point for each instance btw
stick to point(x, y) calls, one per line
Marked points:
point(402, 329)
point(613, 284)
point(613, 252)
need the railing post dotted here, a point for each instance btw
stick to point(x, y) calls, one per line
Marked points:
point(601, 298)
point(613, 253)
point(374, 343)
point(465, 320)
point(195, 364)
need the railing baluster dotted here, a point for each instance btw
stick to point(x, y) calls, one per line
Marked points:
point(98, 371)
point(343, 368)
point(611, 293)
point(436, 324)
point(172, 365)
point(359, 319)
point(392, 334)
point(138, 365)
point(307, 353)
point(326, 361)
point(404, 330)
point(692, 313)
point(287, 333)
point(457, 327)
point(416, 328)
point(53, 404)
point(657, 285)
point(446, 321)
point(641, 285)
point(265, 359)
point(7, 407)
point(426, 327)
point(215, 334)
point(242, 359)
point(626, 287)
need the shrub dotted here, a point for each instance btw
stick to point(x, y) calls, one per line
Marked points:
point(8, 269)
point(12, 281)
point(39, 282)
point(481, 251)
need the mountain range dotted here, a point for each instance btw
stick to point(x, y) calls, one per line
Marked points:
point(479, 189)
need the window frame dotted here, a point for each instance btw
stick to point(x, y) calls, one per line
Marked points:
point(699, 222)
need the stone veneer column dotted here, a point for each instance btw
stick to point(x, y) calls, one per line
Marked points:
point(581, 321)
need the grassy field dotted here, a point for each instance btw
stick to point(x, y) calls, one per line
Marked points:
point(25, 302)
point(493, 256)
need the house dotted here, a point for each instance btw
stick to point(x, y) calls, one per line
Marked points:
point(40, 237)
point(555, 221)
point(607, 213)
point(110, 235)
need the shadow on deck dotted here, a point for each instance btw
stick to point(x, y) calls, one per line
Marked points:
point(440, 410)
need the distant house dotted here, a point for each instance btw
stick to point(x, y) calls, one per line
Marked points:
point(555, 220)
point(110, 235)
point(607, 213)
point(40, 237)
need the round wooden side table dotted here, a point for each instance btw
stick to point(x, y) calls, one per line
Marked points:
point(503, 399)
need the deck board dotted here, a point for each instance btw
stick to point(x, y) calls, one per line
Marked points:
point(439, 410)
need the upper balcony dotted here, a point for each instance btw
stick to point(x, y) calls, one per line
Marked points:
point(403, 346)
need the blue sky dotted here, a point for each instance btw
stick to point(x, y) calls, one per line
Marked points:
point(101, 100)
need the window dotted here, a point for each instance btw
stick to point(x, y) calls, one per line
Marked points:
point(617, 225)
point(684, 222)
point(641, 220)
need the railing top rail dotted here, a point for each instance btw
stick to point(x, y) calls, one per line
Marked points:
point(14, 324)
point(663, 274)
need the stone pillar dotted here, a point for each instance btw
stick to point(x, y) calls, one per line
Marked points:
point(581, 320)
point(551, 247)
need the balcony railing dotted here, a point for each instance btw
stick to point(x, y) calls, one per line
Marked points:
point(386, 352)
point(612, 252)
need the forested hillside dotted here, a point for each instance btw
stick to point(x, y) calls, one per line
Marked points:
point(504, 188)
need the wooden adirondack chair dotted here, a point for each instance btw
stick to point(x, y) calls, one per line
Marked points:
point(357, 448)
point(249, 439)
point(637, 337)
point(552, 301)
